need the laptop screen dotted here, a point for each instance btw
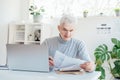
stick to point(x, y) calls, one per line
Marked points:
point(27, 57)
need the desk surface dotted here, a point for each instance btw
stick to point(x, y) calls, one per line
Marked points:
point(23, 75)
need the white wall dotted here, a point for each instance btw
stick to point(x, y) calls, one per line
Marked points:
point(24, 10)
point(87, 31)
point(10, 10)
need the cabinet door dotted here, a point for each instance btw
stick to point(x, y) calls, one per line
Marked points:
point(16, 33)
point(19, 35)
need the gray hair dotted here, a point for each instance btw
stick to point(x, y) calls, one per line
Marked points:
point(67, 19)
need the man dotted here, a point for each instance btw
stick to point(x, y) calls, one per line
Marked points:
point(69, 46)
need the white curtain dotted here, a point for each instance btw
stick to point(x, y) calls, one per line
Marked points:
point(55, 8)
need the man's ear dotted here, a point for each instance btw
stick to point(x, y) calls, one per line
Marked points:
point(59, 27)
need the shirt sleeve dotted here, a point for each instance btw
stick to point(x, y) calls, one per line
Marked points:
point(83, 53)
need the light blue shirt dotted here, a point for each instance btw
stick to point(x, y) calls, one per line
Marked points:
point(72, 48)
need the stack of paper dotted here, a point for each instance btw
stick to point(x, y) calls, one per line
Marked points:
point(65, 63)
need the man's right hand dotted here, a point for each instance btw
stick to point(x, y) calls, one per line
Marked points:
point(51, 61)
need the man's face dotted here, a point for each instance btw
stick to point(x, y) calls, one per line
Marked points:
point(66, 31)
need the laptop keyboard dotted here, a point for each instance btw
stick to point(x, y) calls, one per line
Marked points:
point(3, 67)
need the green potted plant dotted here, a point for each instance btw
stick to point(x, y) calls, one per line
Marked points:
point(102, 55)
point(117, 11)
point(36, 12)
point(85, 12)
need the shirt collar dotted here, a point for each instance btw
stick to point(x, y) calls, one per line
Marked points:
point(63, 41)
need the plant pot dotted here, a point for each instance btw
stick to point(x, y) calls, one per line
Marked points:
point(117, 78)
point(85, 14)
point(117, 13)
point(37, 18)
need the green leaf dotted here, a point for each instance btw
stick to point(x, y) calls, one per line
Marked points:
point(105, 47)
point(116, 70)
point(100, 68)
point(30, 9)
point(116, 42)
point(108, 56)
point(42, 10)
point(115, 52)
point(34, 10)
point(118, 53)
point(98, 53)
point(101, 52)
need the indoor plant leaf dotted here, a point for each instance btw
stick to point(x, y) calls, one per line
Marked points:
point(116, 42)
point(100, 68)
point(101, 54)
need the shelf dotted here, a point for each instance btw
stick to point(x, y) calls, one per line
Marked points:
point(20, 31)
point(19, 41)
point(26, 33)
point(33, 41)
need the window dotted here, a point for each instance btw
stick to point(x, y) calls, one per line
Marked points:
point(55, 8)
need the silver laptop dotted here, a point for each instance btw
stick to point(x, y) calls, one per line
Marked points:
point(27, 57)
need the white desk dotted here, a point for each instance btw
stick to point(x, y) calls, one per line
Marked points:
point(22, 75)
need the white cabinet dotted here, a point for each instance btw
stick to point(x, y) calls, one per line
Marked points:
point(28, 33)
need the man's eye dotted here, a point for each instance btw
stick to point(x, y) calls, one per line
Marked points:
point(71, 30)
point(64, 29)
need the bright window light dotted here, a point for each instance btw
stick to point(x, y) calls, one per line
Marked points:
point(55, 8)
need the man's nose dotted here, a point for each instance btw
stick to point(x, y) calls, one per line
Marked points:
point(68, 32)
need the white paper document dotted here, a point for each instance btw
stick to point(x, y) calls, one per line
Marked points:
point(65, 63)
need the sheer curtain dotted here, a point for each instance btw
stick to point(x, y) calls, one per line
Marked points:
point(55, 8)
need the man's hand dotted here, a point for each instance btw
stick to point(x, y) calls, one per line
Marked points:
point(88, 66)
point(51, 61)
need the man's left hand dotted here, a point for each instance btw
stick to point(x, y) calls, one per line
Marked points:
point(88, 66)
